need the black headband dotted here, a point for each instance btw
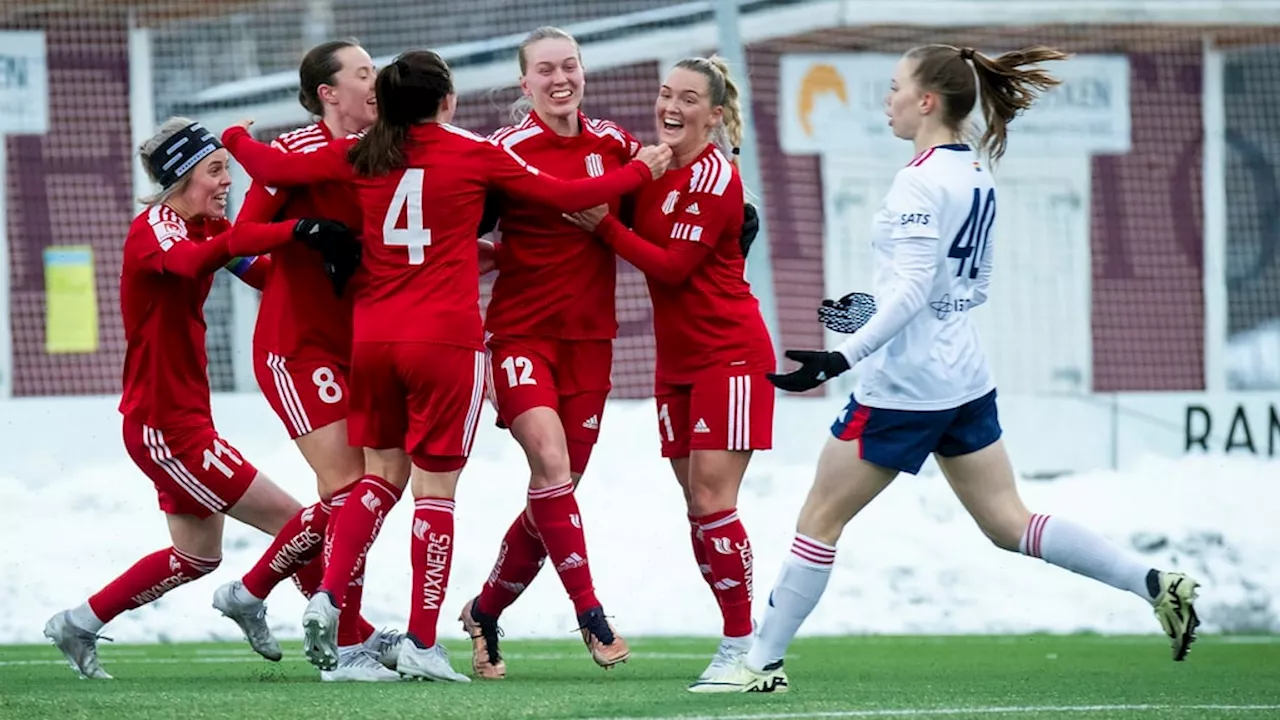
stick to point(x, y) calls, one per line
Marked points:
point(177, 155)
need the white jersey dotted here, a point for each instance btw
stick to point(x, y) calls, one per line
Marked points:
point(931, 243)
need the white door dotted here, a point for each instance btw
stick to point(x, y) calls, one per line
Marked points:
point(1036, 327)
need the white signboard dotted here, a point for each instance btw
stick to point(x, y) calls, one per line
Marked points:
point(24, 84)
point(836, 102)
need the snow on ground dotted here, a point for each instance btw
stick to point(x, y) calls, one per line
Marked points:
point(911, 563)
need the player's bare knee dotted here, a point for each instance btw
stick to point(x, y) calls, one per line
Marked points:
point(1004, 530)
point(540, 434)
point(708, 495)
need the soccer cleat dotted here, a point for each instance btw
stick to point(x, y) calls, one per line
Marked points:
point(250, 615)
point(427, 663)
point(606, 646)
point(486, 661)
point(385, 645)
point(78, 646)
point(320, 631)
point(359, 663)
point(1175, 609)
point(732, 651)
point(738, 678)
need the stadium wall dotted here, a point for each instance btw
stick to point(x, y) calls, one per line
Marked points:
point(77, 511)
point(1145, 208)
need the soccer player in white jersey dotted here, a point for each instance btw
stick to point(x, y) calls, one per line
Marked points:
point(924, 386)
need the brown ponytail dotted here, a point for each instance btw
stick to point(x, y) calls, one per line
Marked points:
point(1005, 87)
point(409, 92)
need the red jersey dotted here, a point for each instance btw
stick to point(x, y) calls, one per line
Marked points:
point(554, 279)
point(686, 241)
point(420, 265)
point(299, 315)
point(168, 270)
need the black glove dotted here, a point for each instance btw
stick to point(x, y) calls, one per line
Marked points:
point(848, 313)
point(816, 367)
point(750, 228)
point(339, 250)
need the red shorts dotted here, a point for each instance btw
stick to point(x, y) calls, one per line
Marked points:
point(306, 394)
point(424, 398)
point(571, 377)
point(716, 412)
point(195, 471)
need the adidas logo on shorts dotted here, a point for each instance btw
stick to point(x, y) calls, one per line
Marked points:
point(592, 423)
point(701, 426)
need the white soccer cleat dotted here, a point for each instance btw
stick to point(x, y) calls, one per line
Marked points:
point(1175, 608)
point(732, 651)
point(427, 664)
point(320, 631)
point(78, 646)
point(233, 601)
point(385, 645)
point(359, 663)
point(741, 679)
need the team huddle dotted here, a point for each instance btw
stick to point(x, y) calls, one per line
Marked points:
point(367, 233)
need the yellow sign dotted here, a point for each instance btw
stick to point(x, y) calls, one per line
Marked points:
point(71, 301)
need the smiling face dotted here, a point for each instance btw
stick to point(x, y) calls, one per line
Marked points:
point(553, 77)
point(205, 194)
point(684, 112)
point(350, 95)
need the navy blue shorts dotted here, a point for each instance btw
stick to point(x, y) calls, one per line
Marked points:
point(903, 439)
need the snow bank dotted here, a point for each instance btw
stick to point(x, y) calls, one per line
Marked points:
point(77, 512)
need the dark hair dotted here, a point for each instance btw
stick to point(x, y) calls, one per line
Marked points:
point(409, 92)
point(318, 67)
point(1005, 87)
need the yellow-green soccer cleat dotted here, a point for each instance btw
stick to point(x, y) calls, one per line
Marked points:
point(1176, 610)
point(738, 678)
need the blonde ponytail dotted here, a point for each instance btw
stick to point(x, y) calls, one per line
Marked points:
point(724, 94)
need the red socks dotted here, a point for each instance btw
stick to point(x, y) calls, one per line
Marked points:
point(298, 542)
point(355, 527)
point(728, 554)
point(555, 515)
point(432, 555)
point(148, 579)
point(700, 552)
point(519, 561)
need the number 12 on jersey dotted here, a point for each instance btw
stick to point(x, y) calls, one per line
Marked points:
point(408, 202)
point(970, 243)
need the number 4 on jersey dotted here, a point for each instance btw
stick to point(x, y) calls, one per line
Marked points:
point(408, 202)
point(971, 242)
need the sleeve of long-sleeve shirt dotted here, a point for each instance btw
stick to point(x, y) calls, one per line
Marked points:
point(915, 249)
point(511, 174)
point(252, 270)
point(274, 167)
point(669, 265)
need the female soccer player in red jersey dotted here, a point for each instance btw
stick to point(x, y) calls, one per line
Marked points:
point(301, 357)
point(172, 250)
point(714, 404)
point(418, 367)
point(550, 341)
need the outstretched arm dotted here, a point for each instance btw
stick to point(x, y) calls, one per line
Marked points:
point(514, 176)
point(670, 265)
point(272, 166)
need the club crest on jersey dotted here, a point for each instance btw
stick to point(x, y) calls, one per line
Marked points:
point(595, 165)
point(669, 205)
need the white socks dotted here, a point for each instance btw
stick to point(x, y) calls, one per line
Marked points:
point(1063, 543)
point(800, 585)
point(84, 618)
